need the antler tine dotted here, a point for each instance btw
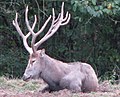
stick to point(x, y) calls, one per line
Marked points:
point(58, 22)
point(30, 29)
point(57, 18)
point(46, 36)
point(15, 23)
point(66, 19)
point(44, 25)
point(34, 35)
point(52, 24)
point(55, 25)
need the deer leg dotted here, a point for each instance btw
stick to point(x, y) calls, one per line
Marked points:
point(75, 86)
point(50, 89)
point(72, 83)
point(45, 89)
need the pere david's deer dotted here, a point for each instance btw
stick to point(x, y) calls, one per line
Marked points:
point(74, 76)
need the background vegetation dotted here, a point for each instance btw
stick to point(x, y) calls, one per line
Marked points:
point(92, 36)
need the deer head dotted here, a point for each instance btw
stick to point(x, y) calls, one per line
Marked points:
point(34, 66)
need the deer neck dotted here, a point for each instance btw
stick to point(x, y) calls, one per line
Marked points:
point(54, 64)
point(53, 69)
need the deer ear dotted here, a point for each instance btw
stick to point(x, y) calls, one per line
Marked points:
point(42, 53)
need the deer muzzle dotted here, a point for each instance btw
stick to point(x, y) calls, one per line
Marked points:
point(26, 78)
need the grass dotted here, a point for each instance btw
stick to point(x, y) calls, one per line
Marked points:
point(17, 86)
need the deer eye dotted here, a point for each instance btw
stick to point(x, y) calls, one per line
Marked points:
point(33, 61)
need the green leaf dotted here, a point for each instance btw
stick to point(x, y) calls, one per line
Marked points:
point(91, 11)
point(107, 11)
point(72, 1)
point(96, 7)
point(101, 7)
point(100, 12)
point(117, 1)
point(75, 7)
point(94, 2)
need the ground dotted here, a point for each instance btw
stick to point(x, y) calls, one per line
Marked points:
point(19, 88)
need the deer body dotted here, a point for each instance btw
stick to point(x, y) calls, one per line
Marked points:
point(75, 76)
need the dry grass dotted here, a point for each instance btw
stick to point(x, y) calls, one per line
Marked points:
point(18, 85)
point(19, 88)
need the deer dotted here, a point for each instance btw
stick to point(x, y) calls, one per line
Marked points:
point(74, 76)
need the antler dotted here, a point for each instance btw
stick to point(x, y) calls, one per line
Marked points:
point(56, 23)
point(15, 23)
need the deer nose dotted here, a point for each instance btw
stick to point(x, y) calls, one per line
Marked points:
point(26, 78)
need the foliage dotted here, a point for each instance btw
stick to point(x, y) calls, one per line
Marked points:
point(92, 35)
point(12, 62)
point(97, 8)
